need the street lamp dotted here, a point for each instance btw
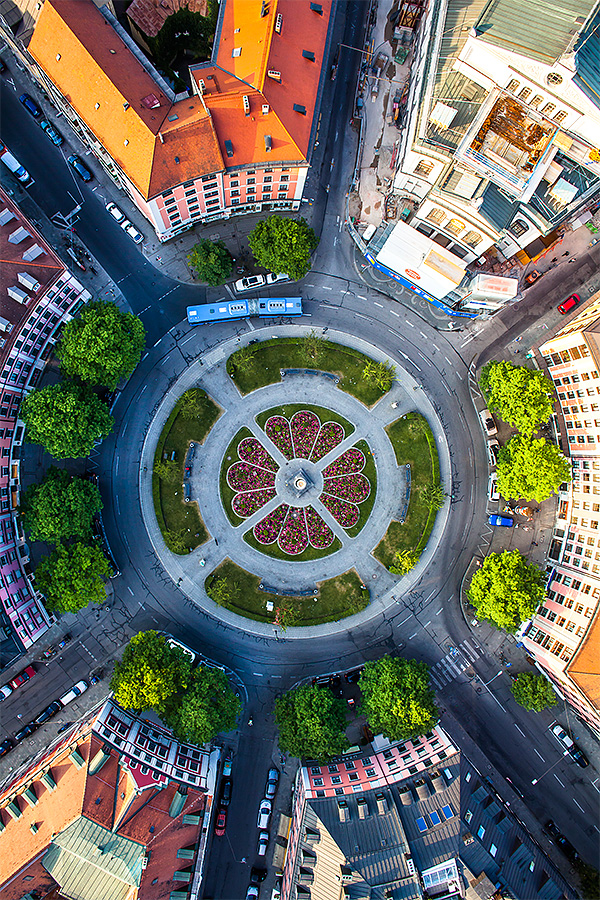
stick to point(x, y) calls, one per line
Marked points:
point(485, 683)
point(535, 780)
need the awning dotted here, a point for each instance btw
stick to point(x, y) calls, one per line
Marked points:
point(421, 261)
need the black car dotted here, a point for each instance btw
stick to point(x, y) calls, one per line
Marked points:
point(353, 675)
point(567, 847)
point(257, 875)
point(48, 713)
point(552, 828)
point(77, 163)
point(579, 756)
point(335, 685)
point(225, 792)
point(6, 745)
point(25, 732)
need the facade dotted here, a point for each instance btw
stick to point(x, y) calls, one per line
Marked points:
point(37, 295)
point(564, 635)
point(500, 140)
point(239, 142)
point(441, 832)
point(115, 809)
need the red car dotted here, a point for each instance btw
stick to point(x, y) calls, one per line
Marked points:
point(569, 304)
point(22, 677)
point(221, 823)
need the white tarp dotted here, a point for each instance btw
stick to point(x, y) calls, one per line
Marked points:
point(421, 261)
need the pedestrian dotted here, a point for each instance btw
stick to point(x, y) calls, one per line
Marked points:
point(535, 543)
point(243, 859)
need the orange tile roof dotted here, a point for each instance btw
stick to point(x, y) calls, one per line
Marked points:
point(243, 28)
point(584, 667)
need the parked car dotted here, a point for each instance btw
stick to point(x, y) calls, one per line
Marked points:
point(276, 892)
point(48, 713)
point(353, 675)
point(30, 105)
point(6, 745)
point(563, 736)
point(2, 65)
point(551, 828)
point(567, 847)
point(227, 763)
point(189, 653)
point(493, 492)
point(569, 304)
point(82, 170)
point(226, 787)
point(252, 892)
point(52, 132)
point(257, 875)
point(335, 685)
point(5, 691)
point(272, 783)
point(221, 823)
point(493, 449)
point(488, 423)
point(263, 843)
point(22, 677)
point(115, 212)
point(25, 732)
point(579, 756)
point(136, 236)
point(273, 279)
point(249, 283)
point(264, 813)
point(503, 521)
point(75, 691)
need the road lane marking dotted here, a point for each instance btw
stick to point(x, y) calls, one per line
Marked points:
point(410, 323)
point(405, 620)
point(440, 611)
point(413, 635)
point(519, 729)
point(423, 334)
point(117, 466)
point(360, 316)
point(427, 624)
point(360, 297)
point(380, 305)
point(127, 542)
point(117, 505)
point(558, 779)
point(259, 674)
point(325, 288)
point(578, 805)
point(130, 591)
point(539, 754)
point(395, 313)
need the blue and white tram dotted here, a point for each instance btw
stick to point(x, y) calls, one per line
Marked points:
point(224, 310)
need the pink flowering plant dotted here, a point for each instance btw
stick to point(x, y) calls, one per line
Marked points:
point(320, 534)
point(252, 451)
point(243, 477)
point(267, 530)
point(330, 435)
point(304, 426)
point(352, 460)
point(247, 503)
point(277, 429)
point(293, 537)
point(345, 513)
point(354, 487)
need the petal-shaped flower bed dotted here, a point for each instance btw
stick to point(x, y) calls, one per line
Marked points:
point(343, 512)
point(305, 427)
point(243, 477)
point(330, 435)
point(352, 460)
point(293, 537)
point(267, 530)
point(277, 429)
point(247, 503)
point(354, 487)
point(320, 534)
point(252, 451)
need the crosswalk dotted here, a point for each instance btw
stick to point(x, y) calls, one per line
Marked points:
point(454, 663)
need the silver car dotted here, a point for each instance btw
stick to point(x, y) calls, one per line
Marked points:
point(272, 782)
point(264, 814)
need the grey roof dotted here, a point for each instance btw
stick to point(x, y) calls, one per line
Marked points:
point(497, 208)
point(542, 30)
point(587, 60)
point(89, 862)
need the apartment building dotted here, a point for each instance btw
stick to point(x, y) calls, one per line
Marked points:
point(240, 141)
point(37, 295)
point(564, 635)
point(500, 140)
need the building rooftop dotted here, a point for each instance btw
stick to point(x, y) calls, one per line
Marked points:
point(150, 15)
point(584, 667)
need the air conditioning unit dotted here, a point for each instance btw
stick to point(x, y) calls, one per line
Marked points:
point(468, 838)
point(144, 862)
point(246, 105)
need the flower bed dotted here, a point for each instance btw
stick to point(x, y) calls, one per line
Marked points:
point(267, 530)
point(247, 503)
point(320, 534)
point(304, 426)
point(352, 460)
point(293, 537)
point(277, 429)
point(253, 452)
point(355, 487)
point(330, 435)
point(243, 477)
point(343, 512)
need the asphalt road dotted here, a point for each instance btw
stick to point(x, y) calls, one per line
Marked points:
point(424, 622)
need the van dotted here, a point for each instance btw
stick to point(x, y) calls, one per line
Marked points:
point(75, 691)
point(13, 164)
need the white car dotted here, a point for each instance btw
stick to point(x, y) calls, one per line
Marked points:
point(249, 283)
point(75, 691)
point(117, 214)
point(264, 814)
point(487, 421)
point(263, 843)
point(273, 279)
point(493, 492)
point(252, 893)
point(559, 732)
point(5, 691)
point(173, 643)
point(136, 236)
point(493, 449)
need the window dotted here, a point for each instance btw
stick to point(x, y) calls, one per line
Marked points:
point(251, 181)
point(480, 831)
point(366, 761)
point(472, 238)
point(353, 776)
point(333, 768)
point(548, 109)
point(512, 85)
point(268, 178)
point(285, 177)
point(560, 116)
point(535, 102)
point(318, 782)
point(436, 215)
point(424, 167)
point(315, 770)
point(554, 78)
point(336, 779)
point(525, 93)
point(371, 773)
point(518, 228)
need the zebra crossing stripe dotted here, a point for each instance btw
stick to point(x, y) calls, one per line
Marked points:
point(452, 667)
point(472, 652)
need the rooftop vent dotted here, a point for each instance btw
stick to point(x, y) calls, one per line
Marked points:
point(343, 811)
point(126, 106)
point(316, 7)
point(28, 281)
point(177, 160)
point(96, 106)
point(237, 51)
point(382, 805)
point(265, 109)
point(268, 143)
point(19, 235)
point(278, 23)
point(299, 109)
point(33, 252)
point(308, 54)
point(264, 10)
point(126, 142)
point(246, 105)
point(150, 101)
point(229, 149)
point(363, 809)
point(273, 73)
point(6, 216)
point(346, 874)
point(17, 294)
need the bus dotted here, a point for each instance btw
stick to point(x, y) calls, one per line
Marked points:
point(225, 310)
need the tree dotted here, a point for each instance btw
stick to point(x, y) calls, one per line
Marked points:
point(101, 346)
point(381, 374)
point(506, 590)
point(243, 359)
point(71, 577)
point(150, 673)
point(533, 691)
point(192, 404)
point(283, 245)
point(207, 707)
point(434, 496)
point(66, 418)
point(521, 396)
point(312, 347)
point(404, 561)
point(223, 591)
point(531, 469)
point(60, 507)
point(311, 722)
point(167, 470)
point(397, 698)
point(211, 261)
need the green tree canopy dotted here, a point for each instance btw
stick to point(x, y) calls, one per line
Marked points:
point(533, 691)
point(312, 347)
point(397, 698)
point(66, 418)
point(207, 707)
point(434, 495)
point(211, 261)
point(404, 561)
point(521, 396)
point(71, 577)
point(283, 245)
point(381, 374)
point(193, 403)
point(506, 590)
point(60, 507)
point(311, 722)
point(150, 673)
point(531, 469)
point(101, 346)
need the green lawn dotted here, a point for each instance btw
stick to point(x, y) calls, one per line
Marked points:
point(275, 551)
point(273, 355)
point(337, 598)
point(173, 515)
point(288, 410)
point(371, 473)
point(414, 443)
point(230, 457)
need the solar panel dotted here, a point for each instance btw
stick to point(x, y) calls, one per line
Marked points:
point(435, 818)
point(421, 824)
point(448, 812)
